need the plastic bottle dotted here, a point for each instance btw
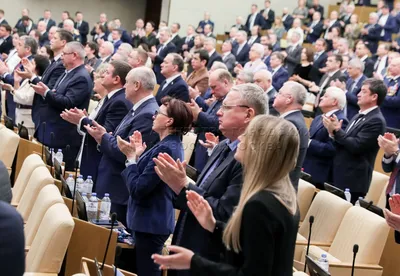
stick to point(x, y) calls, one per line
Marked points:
point(105, 207)
point(88, 186)
point(323, 262)
point(80, 184)
point(358, 201)
point(52, 155)
point(92, 207)
point(85, 199)
point(59, 156)
point(347, 194)
point(70, 182)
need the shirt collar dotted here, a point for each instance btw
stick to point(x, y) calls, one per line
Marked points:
point(287, 113)
point(276, 69)
point(232, 145)
point(333, 73)
point(328, 114)
point(211, 53)
point(139, 103)
point(226, 54)
point(57, 57)
point(365, 112)
point(70, 70)
point(358, 78)
point(170, 79)
point(112, 93)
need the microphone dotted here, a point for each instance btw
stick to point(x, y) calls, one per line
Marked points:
point(355, 251)
point(113, 220)
point(73, 194)
point(66, 153)
point(44, 132)
point(118, 251)
point(51, 153)
point(369, 204)
point(311, 221)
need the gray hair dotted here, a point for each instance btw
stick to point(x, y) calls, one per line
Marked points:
point(264, 74)
point(258, 48)
point(30, 42)
point(68, 22)
point(76, 47)
point(298, 92)
point(126, 48)
point(339, 95)
point(243, 33)
point(296, 33)
point(218, 65)
point(374, 14)
point(357, 63)
point(223, 74)
point(109, 46)
point(247, 76)
point(102, 68)
point(166, 30)
point(211, 40)
point(344, 40)
point(145, 76)
point(253, 96)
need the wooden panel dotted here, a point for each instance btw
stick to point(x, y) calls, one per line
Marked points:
point(362, 12)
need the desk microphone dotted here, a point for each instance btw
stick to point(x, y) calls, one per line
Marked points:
point(118, 251)
point(44, 133)
point(113, 220)
point(311, 221)
point(73, 194)
point(355, 251)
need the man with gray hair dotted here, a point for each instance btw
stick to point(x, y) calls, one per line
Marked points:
point(209, 45)
point(241, 49)
point(244, 76)
point(321, 149)
point(71, 90)
point(139, 88)
point(293, 52)
point(263, 79)
point(137, 58)
point(255, 64)
point(69, 26)
point(289, 103)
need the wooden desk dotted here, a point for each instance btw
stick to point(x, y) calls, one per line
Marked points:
point(362, 12)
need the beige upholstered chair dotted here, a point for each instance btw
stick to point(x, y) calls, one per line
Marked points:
point(305, 195)
point(299, 273)
point(47, 197)
point(92, 105)
point(51, 241)
point(9, 144)
point(378, 184)
point(188, 141)
point(328, 211)
point(362, 227)
point(39, 178)
point(32, 162)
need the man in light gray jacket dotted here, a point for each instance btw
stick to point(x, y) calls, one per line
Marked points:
point(227, 57)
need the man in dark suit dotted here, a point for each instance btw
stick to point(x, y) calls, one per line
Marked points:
point(44, 36)
point(287, 19)
point(72, 89)
point(175, 38)
point(203, 23)
point(263, 78)
point(389, 27)
point(2, 19)
point(47, 20)
point(391, 103)
point(242, 49)
point(321, 149)
point(316, 7)
point(5, 39)
point(116, 39)
point(254, 35)
point(320, 58)
point(82, 26)
point(289, 103)
point(293, 53)
point(314, 29)
point(26, 26)
point(371, 33)
point(208, 31)
point(139, 87)
point(362, 54)
point(103, 22)
point(163, 49)
point(333, 22)
point(382, 59)
point(268, 14)
point(209, 46)
point(24, 12)
point(356, 146)
point(109, 113)
point(221, 180)
point(188, 40)
point(254, 18)
point(345, 18)
point(173, 85)
point(279, 73)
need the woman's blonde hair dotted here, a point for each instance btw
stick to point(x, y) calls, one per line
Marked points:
point(271, 147)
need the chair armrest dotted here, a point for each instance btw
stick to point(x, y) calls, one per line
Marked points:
point(319, 244)
point(27, 248)
point(9, 170)
point(357, 266)
point(39, 274)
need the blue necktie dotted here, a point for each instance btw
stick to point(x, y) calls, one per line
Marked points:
point(125, 122)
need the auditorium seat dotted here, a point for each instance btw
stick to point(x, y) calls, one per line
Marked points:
point(299, 273)
point(47, 197)
point(305, 195)
point(32, 162)
point(51, 241)
point(328, 211)
point(9, 144)
point(362, 227)
point(378, 185)
point(39, 178)
point(189, 140)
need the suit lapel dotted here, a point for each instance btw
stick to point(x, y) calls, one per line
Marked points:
point(218, 170)
point(210, 161)
point(362, 121)
point(103, 107)
point(318, 126)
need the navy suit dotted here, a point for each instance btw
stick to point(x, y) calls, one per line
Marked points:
point(260, 21)
point(243, 56)
point(389, 28)
point(109, 116)
point(391, 104)
point(288, 22)
point(112, 162)
point(116, 45)
point(200, 100)
point(83, 31)
point(351, 95)
point(369, 67)
point(178, 89)
point(270, 21)
point(169, 48)
point(50, 23)
point(315, 75)
point(213, 58)
point(271, 98)
point(71, 90)
point(321, 150)
point(150, 208)
point(372, 38)
point(6, 46)
point(317, 30)
point(279, 78)
point(356, 151)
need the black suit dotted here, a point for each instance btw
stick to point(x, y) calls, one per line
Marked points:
point(372, 38)
point(178, 89)
point(214, 57)
point(25, 30)
point(293, 58)
point(83, 31)
point(6, 46)
point(315, 75)
point(149, 40)
point(319, 9)
point(288, 22)
point(257, 40)
point(177, 40)
point(315, 32)
point(161, 54)
point(44, 39)
point(270, 21)
point(369, 67)
point(243, 56)
point(259, 20)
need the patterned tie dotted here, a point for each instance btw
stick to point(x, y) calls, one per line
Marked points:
point(392, 180)
point(125, 121)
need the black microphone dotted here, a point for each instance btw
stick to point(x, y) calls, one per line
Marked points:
point(118, 251)
point(369, 205)
point(311, 221)
point(73, 194)
point(113, 220)
point(66, 153)
point(355, 251)
point(44, 132)
point(51, 153)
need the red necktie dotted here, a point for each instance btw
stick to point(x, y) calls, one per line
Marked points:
point(392, 180)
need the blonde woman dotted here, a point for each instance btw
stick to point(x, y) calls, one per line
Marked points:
point(278, 28)
point(260, 236)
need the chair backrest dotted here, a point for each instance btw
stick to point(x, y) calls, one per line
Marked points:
point(328, 211)
point(362, 227)
point(39, 178)
point(92, 105)
point(51, 241)
point(9, 144)
point(189, 140)
point(47, 197)
point(32, 162)
point(305, 195)
point(378, 184)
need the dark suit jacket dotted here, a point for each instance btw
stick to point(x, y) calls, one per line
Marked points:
point(116, 45)
point(44, 39)
point(271, 98)
point(297, 119)
point(177, 40)
point(372, 38)
point(321, 150)
point(331, 78)
point(73, 91)
point(243, 56)
point(169, 48)
point(389, 28)
point(178, 89)
point(288, 22)
point(270, 21)
point(279, 78)
point(214, 57)
point(257, 40)
point(369, 67)
point(6, 46)
point(317, 30)
point(149, 40)
point(388, 168)
point(112, 163)
point(293, 58)
point(22, 29)
point(258, 21)
point(109, 116)
point(315, 75)
point(351, 95)
point(50, 23)
point(83, 31)
point(150, 206)
point(190, 43)
point(319, 9)
point(356, 152)
point(391, 104)
point(93, 31)
point(336, 24)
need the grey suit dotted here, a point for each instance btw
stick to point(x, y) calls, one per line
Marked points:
point(229, 61)
point(293, 58)
point(5, 186)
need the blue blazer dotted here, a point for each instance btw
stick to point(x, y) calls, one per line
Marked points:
point(112, 163)
point(288, 22)
point(200, 100)
point(116, 45)
point(150, 205)
point(317, 30)
point(260, 21)
point(388, 168)
point(109, 116)
point(389, 28)
point(391, 104)
point(178, 89)
point(351, 95)
point(73, 91)
point(321, 150)
point(50, 24)
point(315, 75)
point(243, 56)
point(279, 78)
point(169, 48)
point(372, 38)
point(213, 58)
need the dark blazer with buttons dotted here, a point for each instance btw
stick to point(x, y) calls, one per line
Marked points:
point(389, 28)
point(356, 152)
point(270, 21)
point(243, 56)
point(177, 40)
point(315, 75)
point(391, 104)
point(257, 40)
point(372, 38)
point(150, 205)
point(369, 67)
point(213, 58)
point(178, 89)
point(6, 46)
point(169, 48)
point(351, 96)
point(83, 31)
point(317, 30)
point(258, 21)
point(50, 23)
point(112, 163)
point(279, 78)
point(293, 58)
point(288, 22)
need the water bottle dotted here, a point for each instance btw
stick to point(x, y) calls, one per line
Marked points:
point(105, 207)
point(358, 201)
point(323, 262)
point(347, 194)
point(80, 184)
point(52, 155)
point(85, 199)
point(59, 156)
point(92, 207)
point(71, 183)
point(88, 185)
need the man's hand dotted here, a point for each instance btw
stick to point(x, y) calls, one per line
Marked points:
point(211, 141)
point(152, 55)
point(238, 68)
point(74, 115)
point(7, 86)
point(388, 143)
point(194, 92)
point(332, 123)
point(40, 88)
point(210, 100)
point(96, 131)
point(89, 68)
point(172, 172)
point(3, 68)
point(28, 65)
point(195, 109)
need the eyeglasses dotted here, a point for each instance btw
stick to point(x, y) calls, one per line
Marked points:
point(156, 113)
point(225, 107)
